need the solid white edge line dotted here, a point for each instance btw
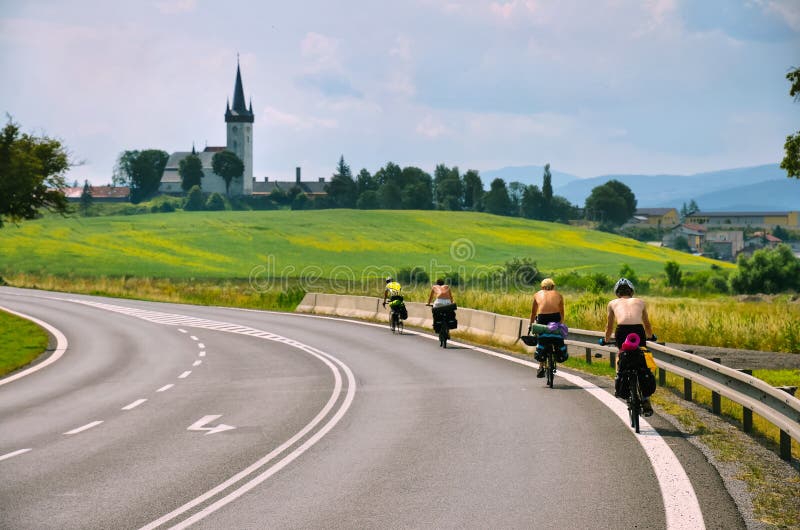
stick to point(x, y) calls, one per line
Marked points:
point(61, 347)
point(185, 374)
point(134, 404)
point(324, 357)
point(681, 507)
point(15, 453)
point(165, 387)
point(84, 427)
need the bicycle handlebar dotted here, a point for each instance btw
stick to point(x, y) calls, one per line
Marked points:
point(602, 341)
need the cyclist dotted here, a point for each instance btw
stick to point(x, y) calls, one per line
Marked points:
point(548, 306)
point(441, 295)
point(630, 316)
point(392, 292)
point(442, 292)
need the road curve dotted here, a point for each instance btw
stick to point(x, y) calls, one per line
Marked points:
point(162, 415)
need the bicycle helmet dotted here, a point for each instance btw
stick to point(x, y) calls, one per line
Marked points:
point(389, 279)
point(623, 284)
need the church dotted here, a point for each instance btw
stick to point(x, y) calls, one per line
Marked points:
point(239, 121)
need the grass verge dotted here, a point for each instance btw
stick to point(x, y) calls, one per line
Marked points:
point(21, 342)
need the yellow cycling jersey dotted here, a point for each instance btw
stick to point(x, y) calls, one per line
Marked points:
point(393, 288)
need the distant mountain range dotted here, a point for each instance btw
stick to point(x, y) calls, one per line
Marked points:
point(757, 188)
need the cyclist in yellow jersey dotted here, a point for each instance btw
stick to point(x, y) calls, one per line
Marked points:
point(392, 291)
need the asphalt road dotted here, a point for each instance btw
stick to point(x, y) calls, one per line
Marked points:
point(161, 415)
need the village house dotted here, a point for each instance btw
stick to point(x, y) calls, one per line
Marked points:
point(692, 233)
point(657, 217)
point(99, 193)
point(314, 188)
point(724, 244)
point(744, 219)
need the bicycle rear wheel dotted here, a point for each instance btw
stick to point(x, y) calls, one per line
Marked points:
point(443, 332)
point(400, 326)
point(551, 367)
point(635, 403)
point(393, 322)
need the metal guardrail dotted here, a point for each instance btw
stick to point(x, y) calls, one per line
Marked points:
point(755, 396)
point(775, 405)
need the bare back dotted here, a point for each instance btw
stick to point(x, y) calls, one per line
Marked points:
point(548, 301)
point(442, 292)
point(628, 311)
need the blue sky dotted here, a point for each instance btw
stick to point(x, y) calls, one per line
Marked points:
point(590, 86)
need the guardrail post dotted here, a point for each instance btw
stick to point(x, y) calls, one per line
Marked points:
point(786, 440)
point(687, 389)
point(612, 359)
point(747, 414)
point(716, 401)
point(588, 356)
point(662, 377)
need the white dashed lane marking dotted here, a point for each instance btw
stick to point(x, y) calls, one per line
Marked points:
point(165, 388)
point(84, 427)
point(201, 345)
point(134, 404)
point(194, 338)
point(197, 363)
point(185, 374)
point(15, 453)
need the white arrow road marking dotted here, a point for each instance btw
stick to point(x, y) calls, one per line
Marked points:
point(198, 425)
point(85, 427)
point(15, 453)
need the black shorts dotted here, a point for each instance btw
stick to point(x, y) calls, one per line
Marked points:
point(623, 330)
point(546, 318)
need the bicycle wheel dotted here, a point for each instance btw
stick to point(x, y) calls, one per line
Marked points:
point(443, 335)
point(635, 404)
point(551, 368)
point(393, 322)
point(400, 326)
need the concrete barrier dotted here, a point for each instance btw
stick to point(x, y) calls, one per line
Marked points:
point(419, 315)
point(358, 306)
point(307, 304)
point(326, 304)
point(479, 323)
point(507, 329)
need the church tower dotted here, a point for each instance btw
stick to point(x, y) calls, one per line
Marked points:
point(239, 120)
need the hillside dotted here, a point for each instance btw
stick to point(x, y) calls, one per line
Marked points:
point(338, 243)
point(771, 195)
point(674, 190)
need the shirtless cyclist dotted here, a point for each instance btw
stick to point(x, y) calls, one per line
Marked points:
point(548, 306)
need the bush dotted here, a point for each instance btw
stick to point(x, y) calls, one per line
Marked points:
point(166, 207)
point(768, 271)
point(413, 276)
point(521, 273)
point(674, 273)
point(301, 202)
point(215, 202)
point(194, 200)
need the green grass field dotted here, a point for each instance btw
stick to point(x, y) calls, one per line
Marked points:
point(327, 243)
point(21, 341)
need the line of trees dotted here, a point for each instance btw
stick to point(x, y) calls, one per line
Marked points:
point(396, 188)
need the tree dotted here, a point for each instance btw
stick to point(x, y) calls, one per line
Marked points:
point(532, 203)
point(562, 210)
point(515, 192)
point(141, 171)
point(215, 202)
point(31, 175)
point(497, 200)
point(781, 233)
point(674, 274)
point(417, 189)
point(342, 189)
point(767, 271)
point(791, 160)
point(612, 203)
point(547, 194)
point(86, 197)
point(447, 188)
point(191, 171)
point(194, 200)
point(366, 182)
point(473, 191)
point(389, 196)
point(368, 200)
point(228, 166)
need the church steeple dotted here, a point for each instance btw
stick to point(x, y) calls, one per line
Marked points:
point(238, 92)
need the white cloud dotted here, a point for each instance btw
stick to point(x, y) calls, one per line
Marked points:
point(172, 7)
point(321, 51)
point(431, 127)
point(789, 10)
point(273, 117)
